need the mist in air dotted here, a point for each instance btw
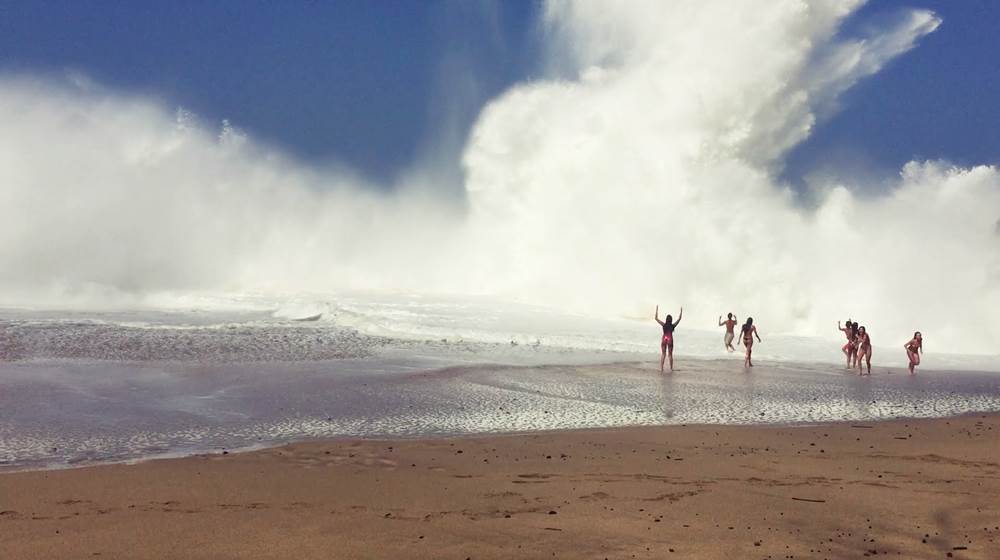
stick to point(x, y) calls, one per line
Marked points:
point(642, 169)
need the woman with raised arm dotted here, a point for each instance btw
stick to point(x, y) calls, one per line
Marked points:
point(747, 333)
point(849, 348)
point(730, 324)
point(667, 343)
point(864, 344)
point(914, 348)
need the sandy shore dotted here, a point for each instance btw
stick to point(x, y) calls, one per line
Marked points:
point(910, 489)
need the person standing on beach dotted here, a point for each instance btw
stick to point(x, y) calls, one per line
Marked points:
point(730, 324)
point(914, 348)
point(667, 343)
point(747, 333)
point(864, 343)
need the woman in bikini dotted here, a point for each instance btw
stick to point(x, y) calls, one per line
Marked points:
point(667, 343)
point(730, 324)
point(849, 348)
point(914, 348)
point(748, 332)
point(864, 345)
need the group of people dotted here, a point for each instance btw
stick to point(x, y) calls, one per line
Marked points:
point(857, 349)
point(747, 334)
point(859, 346)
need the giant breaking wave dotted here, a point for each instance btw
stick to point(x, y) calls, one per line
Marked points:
point(642, 168)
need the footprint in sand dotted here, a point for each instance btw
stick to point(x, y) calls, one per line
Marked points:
point(595, 496)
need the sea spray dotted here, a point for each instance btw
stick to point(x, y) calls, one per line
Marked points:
point(641, 169)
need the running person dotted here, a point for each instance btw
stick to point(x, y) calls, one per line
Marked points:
point(747, 333)
point(667, 343)
point(730, 324)
point(864, 344)
point(914, 348)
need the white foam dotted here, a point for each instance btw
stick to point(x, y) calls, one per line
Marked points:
point(640, 168)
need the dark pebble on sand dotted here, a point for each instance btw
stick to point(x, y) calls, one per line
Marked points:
point(552, 512)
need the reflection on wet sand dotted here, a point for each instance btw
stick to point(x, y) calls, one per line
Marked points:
point(58, 413)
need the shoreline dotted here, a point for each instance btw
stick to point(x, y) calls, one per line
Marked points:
point(180, 455)
point(706, 491)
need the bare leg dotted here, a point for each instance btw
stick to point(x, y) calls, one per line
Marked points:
point(663, 355)
point(670, 354)
point(847, 354)
point(909, 355)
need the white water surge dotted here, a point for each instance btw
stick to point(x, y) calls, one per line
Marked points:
point(641, 169)
point(83, 387)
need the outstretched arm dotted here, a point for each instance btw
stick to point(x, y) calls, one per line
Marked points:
point(720, 320)
point(656, 315)
point(679, 317)
point(839, 328)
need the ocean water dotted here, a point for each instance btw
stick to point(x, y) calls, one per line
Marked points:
point(209, 374)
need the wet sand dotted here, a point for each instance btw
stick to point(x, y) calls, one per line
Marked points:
point(904, 489)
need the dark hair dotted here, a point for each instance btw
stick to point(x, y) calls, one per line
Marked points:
point(862, 328)
point(730, 315)
point(748, 324)
point(854, 328)
point(669, 319)
point(916, 334)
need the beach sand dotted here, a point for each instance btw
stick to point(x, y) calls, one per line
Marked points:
point(904, 489)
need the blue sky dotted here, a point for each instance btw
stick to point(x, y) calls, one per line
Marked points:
point(367, 83)
point(937, 101)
